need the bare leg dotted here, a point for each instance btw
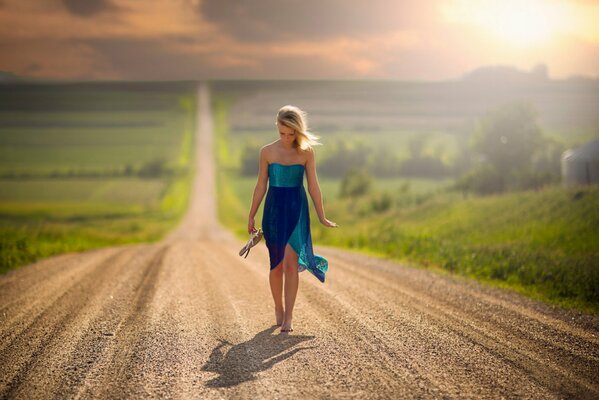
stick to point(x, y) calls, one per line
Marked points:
point(276, 288)
point(291, 285)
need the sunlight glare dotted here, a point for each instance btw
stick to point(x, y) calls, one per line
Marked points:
point(520, 23)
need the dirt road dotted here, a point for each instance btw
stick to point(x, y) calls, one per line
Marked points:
point(188, 318)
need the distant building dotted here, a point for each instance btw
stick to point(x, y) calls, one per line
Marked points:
point(581, 166)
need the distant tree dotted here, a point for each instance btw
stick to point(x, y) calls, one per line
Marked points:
point(548, 157)
point(153, 168)
point(128, 170)
point(420, 165)
point(384, 162)
point(507, 138)
point(343, 158)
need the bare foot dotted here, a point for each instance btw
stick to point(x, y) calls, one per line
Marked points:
point(279, 315)
point(286, 327)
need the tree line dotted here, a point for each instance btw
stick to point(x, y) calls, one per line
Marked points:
point(156, 168)
point(506, 150)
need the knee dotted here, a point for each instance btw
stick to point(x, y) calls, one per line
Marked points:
point(289, 267)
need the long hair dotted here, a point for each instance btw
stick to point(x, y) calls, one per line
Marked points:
point(295, 118)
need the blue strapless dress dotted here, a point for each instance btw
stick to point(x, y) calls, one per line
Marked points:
point(286, 219)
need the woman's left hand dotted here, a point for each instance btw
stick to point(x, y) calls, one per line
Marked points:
point(251, 227)
point(328, 224)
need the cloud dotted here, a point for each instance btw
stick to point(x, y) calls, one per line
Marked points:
point(89, 8)
point(262, 39)
point(171, 57)
point(168, 57)
point(141, 58)
point(283, 20)
point(53, 58)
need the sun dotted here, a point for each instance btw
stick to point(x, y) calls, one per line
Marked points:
point(520, 23)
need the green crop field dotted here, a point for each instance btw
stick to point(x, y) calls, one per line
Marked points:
point(126, 191)
point(87, 165)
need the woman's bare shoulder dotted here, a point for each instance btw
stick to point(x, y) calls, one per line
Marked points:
point(268, 151)
point(269, 147)
point(308, 154)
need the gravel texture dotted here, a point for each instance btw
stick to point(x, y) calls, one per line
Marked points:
point(188, 318)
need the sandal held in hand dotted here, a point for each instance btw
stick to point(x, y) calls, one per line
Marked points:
point(252, 241)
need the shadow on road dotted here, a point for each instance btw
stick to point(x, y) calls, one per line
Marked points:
point(239, 363)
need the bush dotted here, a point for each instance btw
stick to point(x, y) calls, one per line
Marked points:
point(508, 136)
point(381, 202)
point(356, 182)
point(483, 180)
point(153, 169)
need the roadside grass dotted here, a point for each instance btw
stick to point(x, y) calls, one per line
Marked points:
point(33, 230)
point(544, 244)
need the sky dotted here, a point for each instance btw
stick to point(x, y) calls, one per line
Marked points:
point(300, 39)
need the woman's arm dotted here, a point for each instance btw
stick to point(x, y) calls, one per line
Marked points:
point(314, 189)
point(259, 190)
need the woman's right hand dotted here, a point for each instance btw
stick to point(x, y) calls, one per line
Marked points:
point(251, 224)
point(329, 224)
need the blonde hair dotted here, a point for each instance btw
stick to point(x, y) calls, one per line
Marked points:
point(295, 118)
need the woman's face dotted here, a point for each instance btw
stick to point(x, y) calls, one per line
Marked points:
point(286, 133)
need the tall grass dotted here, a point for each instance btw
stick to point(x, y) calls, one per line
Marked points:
point(543, 243)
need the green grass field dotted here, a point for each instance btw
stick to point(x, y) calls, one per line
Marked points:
point(543, 243)
point(126, 191)
point(71, 163)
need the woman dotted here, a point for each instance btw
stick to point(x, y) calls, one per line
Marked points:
point(286, 219)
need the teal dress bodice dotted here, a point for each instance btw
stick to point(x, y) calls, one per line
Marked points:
point(281, 175)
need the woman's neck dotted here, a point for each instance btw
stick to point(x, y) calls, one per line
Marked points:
point(286, 147)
